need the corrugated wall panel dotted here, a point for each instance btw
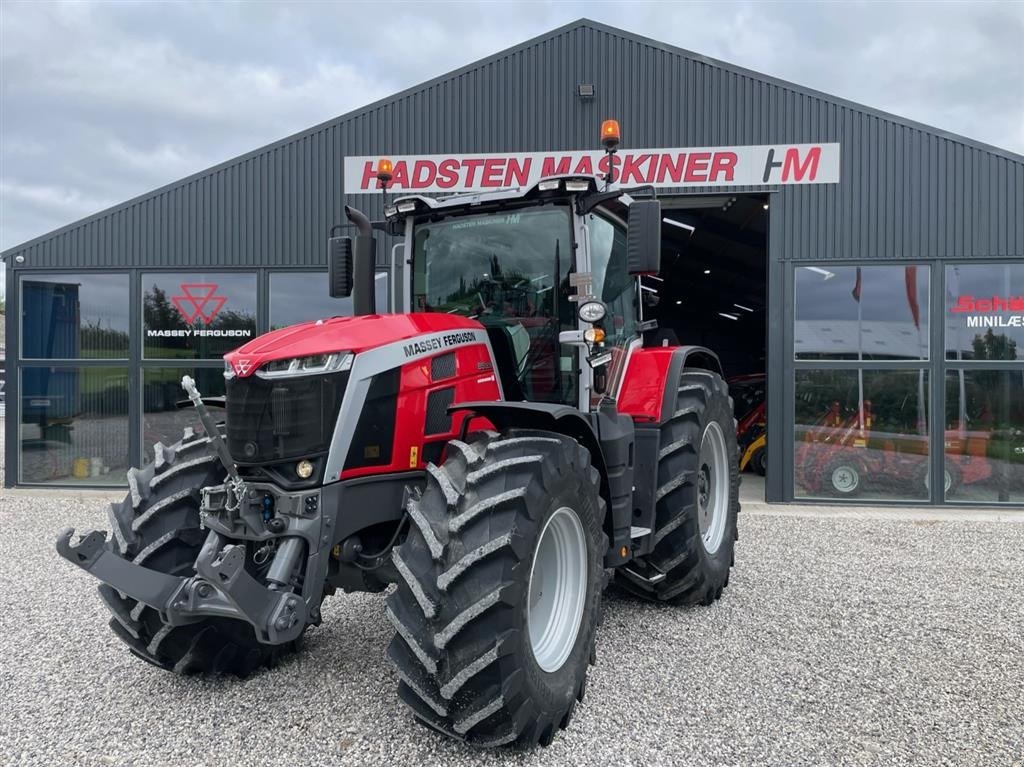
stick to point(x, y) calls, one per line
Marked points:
point(905, 191)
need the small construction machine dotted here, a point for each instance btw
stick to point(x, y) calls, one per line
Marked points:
point(492, 453)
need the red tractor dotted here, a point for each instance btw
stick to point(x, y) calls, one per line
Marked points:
point(495, 450)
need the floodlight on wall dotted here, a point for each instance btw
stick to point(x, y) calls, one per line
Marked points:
point(585, 90)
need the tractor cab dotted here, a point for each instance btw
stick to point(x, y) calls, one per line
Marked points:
point(551, 272)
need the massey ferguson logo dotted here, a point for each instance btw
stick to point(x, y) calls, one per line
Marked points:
point(198, 304)
point(242, 367)
point(199, 301)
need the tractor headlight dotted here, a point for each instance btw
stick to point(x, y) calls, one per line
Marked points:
point(314, 364)
point(304, 469)
point(592, 311)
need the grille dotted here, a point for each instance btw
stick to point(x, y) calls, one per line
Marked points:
point(442, 366)
point(270, 420)
point(439, 420)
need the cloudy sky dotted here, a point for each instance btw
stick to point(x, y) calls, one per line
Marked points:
point(103, 101)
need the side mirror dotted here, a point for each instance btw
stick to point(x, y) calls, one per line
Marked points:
point(643, 237)
point(339, 266)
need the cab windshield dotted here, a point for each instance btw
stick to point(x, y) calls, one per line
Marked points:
point(510, 271)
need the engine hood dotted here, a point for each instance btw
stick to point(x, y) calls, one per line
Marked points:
point(350, 334)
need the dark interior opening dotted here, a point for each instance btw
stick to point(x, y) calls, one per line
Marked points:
point(712, 288)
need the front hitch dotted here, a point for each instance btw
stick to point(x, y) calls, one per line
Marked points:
point(221, 587)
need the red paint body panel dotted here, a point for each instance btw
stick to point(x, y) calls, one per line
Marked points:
point(474, 381)
point(351, 334)
point(643, 389)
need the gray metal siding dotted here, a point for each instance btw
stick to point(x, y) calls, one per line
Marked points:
point(906, 192)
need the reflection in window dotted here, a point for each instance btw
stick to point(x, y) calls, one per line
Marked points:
point(197, 316)
point(985, 436)
point(74, 425)
point(302, 297)
point(74, 316)
point(862, 434)
point(616, 289)
point(985, 312)
point(868, 313)
point(162, 419)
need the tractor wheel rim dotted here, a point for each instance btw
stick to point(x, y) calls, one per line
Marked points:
point(845, 478)
point(713, 487)
point(558, 589)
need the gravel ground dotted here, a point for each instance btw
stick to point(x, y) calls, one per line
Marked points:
point(838, 641)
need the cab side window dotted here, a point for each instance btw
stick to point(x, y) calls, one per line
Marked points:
point(613, 285)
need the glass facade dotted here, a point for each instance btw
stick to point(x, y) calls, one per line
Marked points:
point(162, 419)
point(302, 296)
point(896, 371)
point(861, 313)
point(863, 386)
point(74, 424)
point(74, 316)
point(861, 434)
point(984, 439)
point(984, 312)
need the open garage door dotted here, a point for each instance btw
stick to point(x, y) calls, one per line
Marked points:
point(712, 291)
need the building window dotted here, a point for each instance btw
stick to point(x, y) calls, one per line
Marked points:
point(302, 296)
point(74, 316)
point(984, 440)
point(861, 313)
point(985, 312)
point(861, 434)
point(162, 419)
point(74, 425)
point(188, 315)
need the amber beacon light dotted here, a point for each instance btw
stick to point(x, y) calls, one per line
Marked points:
point(385, 172)
point(610, 134)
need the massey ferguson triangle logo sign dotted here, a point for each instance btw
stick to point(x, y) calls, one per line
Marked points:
point(242, 367)
point(198, 305)
point(773, 165)
point(199, 301)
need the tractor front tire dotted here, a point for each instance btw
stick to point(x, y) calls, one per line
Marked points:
point(157, 526)
point(501, 573)
point(697, 499)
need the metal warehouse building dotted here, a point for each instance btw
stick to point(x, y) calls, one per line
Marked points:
point(864, 271)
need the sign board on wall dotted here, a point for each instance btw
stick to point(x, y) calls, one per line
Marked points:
point(678, 167)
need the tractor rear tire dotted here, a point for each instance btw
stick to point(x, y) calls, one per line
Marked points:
point(697, 499)
point(157, 526)
point(503, 522)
